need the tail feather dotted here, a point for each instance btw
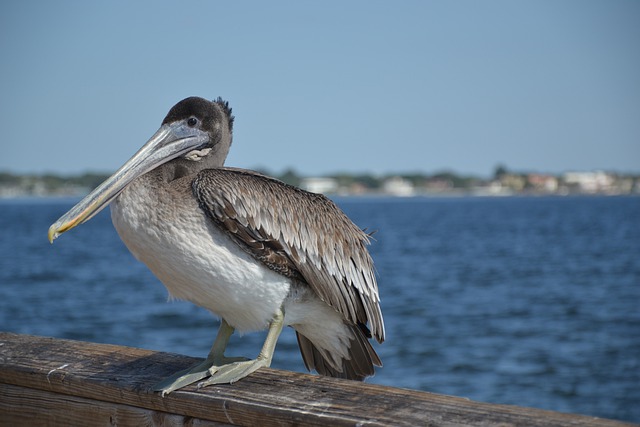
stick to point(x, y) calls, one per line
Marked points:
point(359, 365)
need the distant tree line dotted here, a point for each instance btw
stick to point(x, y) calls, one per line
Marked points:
point(375, 182)
point(67, 184)
point(52, 182)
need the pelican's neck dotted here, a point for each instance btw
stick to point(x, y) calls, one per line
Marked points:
point(142, 199)
point(181, 167)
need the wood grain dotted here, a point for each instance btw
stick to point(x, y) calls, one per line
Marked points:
point(110, 385)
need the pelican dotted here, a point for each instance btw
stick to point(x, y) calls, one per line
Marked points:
point(254, 251)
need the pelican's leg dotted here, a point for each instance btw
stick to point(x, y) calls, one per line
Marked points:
point(215, 358)
point(235, 371)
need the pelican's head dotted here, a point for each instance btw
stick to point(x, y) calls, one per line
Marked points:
point(196, 133)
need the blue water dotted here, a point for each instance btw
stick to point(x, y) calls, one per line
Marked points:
point(527, 301)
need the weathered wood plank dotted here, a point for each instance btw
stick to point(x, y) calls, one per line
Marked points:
point(28, 406)
point(120, 377)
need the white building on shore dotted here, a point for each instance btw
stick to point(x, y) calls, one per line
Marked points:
point(397, 186)
point(590, 182)
point(320, 185)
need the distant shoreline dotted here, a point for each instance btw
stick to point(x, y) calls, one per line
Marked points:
point(452, 195)
point(443, 184)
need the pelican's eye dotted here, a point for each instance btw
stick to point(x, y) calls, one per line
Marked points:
point(192, 121)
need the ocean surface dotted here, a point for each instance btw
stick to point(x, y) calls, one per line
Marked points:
point(520, 300)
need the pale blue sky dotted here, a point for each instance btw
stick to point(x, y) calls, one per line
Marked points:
point(356, 86)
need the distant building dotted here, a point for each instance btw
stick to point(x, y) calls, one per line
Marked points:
point(589, 182)
point(397, 186)
point(513, 182)
point(320, 185)
point(543, 183)
point(491, 188)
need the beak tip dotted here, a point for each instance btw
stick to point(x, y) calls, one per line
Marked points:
point(52, 235)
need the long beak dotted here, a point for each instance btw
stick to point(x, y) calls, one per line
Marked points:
point(169, 142)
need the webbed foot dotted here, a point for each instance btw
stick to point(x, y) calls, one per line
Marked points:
point(221, 369)
point(196, 373)
point(232, 372)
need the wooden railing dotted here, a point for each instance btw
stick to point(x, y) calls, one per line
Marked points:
point(48, 381)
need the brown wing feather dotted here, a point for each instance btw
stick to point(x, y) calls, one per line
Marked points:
point(299, 234)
